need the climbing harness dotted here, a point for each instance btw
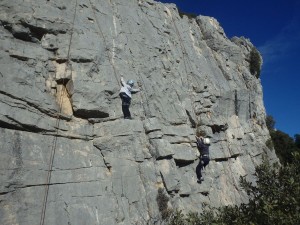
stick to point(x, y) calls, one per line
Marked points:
point(53, 149)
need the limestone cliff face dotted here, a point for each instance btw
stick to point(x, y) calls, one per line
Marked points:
point(61, 62)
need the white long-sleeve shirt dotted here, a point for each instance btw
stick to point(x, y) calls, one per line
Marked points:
point(127, 89)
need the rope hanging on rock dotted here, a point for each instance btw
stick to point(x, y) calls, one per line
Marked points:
point(184, 52)
point(54, 144)
point(101, 35)
point(141, 83)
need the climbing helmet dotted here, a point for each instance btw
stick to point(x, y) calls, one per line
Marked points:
point(130, 82)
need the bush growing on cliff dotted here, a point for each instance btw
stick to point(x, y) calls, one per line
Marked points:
point(189, 15)
point(283, 144)
point(297, 140)
point(255, 62)
point(270, 122)
point(269, 144)
point(275, 199)
point(204, 218)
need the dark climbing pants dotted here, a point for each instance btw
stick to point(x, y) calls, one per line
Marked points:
point(203, 162)
point(125, 105)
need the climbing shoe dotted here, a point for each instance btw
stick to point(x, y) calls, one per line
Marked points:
point(200, 180)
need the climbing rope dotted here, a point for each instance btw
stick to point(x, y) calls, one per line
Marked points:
point(190, 90)
point(185, 55)
point(238, 128)
point(101, 35)
point(54, 144)
point(142, 84)
point(142, 102)
point(184, 52)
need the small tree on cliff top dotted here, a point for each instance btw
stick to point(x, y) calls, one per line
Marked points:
point(255, 62)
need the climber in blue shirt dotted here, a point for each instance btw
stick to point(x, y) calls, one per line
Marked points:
point(203, 147)
point(125, 94)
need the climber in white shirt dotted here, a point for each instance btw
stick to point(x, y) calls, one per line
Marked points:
point(125, 94)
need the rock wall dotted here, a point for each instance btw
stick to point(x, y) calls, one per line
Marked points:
point(61, 118)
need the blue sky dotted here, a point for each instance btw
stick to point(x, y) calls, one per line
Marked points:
point(274, 28)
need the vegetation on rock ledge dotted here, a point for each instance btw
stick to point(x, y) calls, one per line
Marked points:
point(274, 199)
point(255, 62)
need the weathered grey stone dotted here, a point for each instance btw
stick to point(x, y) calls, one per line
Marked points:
point(169, 175)
point(152, 125)
point(177, 139)
point(187, 182)
point(155, 135)
point(183, 152)
point(128, 147)
point(178, 134)
point(161, 148)
point(118, 128)
point(219, 150)
point(181, 130)
point(60, 69)
point(49, 41)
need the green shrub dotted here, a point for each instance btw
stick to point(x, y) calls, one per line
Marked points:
point(205, 218)
point(284, 145)
point(189, 15)
point(273, 200)
point(297, 140)
point(255, 62)
point(270, 122)
point(276, 197)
